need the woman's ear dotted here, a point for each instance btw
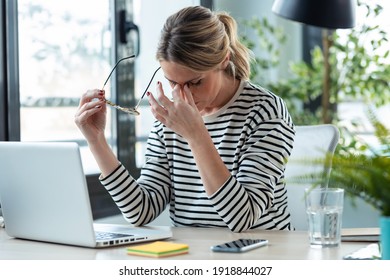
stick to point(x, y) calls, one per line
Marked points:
point(226, 61)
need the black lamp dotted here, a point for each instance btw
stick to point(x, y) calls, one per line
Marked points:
point(328, 14)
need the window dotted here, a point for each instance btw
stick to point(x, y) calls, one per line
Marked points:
point(355, 111)
point(63, 50)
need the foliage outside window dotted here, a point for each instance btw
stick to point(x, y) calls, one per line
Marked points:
point(359, 60)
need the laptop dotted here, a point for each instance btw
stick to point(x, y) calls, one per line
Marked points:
point(44, 197)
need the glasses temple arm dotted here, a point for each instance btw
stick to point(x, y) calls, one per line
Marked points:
point(120, 60)
point(139, 101)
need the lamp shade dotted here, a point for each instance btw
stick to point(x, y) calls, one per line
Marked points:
point(330, 14)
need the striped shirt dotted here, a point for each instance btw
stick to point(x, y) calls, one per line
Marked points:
point(254, 136)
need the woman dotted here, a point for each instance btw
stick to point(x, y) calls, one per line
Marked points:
point(216, 154)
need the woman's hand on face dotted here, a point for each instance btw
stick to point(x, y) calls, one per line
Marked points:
point(90, 116)
point(180, 114)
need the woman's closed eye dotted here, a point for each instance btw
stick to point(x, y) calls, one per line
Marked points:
point(194, 84)
point(173, 84)
point(190, 84)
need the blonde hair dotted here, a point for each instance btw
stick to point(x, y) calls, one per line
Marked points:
point(200, 40)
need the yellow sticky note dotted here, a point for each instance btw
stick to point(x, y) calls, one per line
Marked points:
point(158, 249)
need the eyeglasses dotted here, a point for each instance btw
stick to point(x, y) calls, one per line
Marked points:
point(131, 111)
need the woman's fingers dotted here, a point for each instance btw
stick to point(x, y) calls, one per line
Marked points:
point(91, 102)
point(162, 99)
point(177, 93)
point(155, 105)
point(90, 108)
point(163, 105)
point(91, 95)
point(188, 95)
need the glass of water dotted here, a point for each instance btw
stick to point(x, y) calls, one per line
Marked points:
point(324, 208)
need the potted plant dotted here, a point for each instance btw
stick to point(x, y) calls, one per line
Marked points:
point(364, 174)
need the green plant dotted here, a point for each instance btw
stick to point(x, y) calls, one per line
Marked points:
point(270, 38)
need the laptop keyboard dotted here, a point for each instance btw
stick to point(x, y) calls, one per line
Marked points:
point(101, 235)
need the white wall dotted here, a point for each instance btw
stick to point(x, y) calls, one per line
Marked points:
point(150, 16)
point(247, 9)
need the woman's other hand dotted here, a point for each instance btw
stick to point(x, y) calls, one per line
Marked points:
point(179, 114)
point(90, 116)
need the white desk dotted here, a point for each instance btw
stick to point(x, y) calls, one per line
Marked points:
point(282, 246)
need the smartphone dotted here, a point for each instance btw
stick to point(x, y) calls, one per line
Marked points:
point(239, 245)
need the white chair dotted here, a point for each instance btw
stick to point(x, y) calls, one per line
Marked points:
point(311, 142)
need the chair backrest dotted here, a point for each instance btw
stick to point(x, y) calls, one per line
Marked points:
point(311, 142)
